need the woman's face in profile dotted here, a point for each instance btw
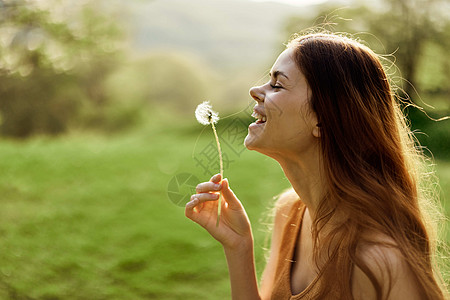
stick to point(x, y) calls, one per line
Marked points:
point(290, 126)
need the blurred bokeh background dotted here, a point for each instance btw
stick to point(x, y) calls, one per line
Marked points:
point(99, 147)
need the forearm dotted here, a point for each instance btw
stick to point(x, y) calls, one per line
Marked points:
point(241, 266)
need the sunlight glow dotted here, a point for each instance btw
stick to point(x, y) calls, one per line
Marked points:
point(294, 2)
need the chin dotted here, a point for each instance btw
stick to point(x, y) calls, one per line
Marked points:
point(250, 142)
point(253, 144)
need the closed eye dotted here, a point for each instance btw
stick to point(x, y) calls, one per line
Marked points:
point(276, 86)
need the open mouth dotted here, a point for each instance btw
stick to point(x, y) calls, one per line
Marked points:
point(260, 118)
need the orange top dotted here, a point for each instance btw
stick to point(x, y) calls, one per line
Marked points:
point(282, 284)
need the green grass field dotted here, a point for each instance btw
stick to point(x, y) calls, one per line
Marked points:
point(89, 217)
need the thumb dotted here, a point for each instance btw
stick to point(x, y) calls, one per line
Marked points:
point(229, 196)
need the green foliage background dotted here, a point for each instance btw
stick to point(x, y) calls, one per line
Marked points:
point(93, 131)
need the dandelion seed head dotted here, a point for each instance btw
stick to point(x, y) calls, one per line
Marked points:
point(205, 115)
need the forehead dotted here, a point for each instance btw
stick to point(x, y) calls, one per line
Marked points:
point(286, 64)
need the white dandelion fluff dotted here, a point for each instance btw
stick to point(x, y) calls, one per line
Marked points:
point(205, 114)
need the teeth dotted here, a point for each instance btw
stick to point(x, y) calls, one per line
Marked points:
point(258, 116)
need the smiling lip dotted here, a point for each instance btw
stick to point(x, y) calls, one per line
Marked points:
point(260, 111)
point(256, 124)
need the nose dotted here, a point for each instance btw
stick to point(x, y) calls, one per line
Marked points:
point(257, 93)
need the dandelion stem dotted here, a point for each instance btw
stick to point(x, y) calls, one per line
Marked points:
point(206, 116)
point(219, 208)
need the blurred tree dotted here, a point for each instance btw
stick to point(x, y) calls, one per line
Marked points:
point(54, 55)
point(408, 27)
point(169, 80)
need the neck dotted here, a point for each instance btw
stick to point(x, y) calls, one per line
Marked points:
point(307, 177)
point(305, 173)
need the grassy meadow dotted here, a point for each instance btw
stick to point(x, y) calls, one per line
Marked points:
point(86, 216)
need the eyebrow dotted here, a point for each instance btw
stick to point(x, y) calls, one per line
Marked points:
point(278, 73)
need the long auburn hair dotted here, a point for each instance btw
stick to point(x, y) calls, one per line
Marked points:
point(370, 162)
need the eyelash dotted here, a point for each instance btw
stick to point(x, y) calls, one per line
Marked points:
point(276, 86)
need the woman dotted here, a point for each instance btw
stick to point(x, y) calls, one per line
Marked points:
point(351, 226)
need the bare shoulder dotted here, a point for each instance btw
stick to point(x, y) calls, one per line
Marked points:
point(389, 268)
point(282, 208)
point(285, 202)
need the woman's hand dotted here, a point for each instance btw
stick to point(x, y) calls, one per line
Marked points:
point(234, 226)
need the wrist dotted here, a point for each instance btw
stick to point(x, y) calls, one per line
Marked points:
point(244, 245)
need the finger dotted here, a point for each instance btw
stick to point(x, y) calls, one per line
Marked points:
point(205, 197)
point(189, 208)
point(192, 211)
point(209, 186)
point(216, 178)
point(232, 200)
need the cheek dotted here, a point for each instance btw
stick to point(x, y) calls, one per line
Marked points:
point(283, 112)
point(291, 126)
point(274, 108)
